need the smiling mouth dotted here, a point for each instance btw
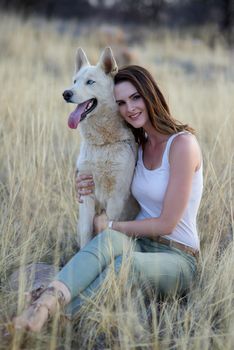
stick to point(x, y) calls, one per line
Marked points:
point(135, 116)
point(81, 112)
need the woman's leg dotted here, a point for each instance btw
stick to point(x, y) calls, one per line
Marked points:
point(76, 276)
point(167, 272)
point(73, 307)
point(89, 262)
point(164, 270)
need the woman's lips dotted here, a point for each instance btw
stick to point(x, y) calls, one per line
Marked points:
point(135, 116)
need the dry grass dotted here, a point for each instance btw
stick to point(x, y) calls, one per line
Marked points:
point(38, 211)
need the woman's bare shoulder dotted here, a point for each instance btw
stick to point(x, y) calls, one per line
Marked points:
point(184, 141)
point(186, 145)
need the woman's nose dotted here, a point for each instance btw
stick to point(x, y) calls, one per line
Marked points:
point(130, 107)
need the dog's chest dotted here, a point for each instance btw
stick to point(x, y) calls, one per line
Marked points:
point(102, 163)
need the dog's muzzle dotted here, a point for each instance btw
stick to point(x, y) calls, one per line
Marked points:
point(67, 95)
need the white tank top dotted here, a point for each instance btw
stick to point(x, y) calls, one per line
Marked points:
point(149, 188)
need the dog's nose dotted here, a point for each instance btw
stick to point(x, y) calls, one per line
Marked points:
point(67, 95)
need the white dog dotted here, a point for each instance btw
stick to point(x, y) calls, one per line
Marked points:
point(108, 149)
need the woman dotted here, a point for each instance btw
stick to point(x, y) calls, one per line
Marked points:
point(168, 186)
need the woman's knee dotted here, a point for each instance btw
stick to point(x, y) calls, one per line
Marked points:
point(113, 238)
point(107, 244)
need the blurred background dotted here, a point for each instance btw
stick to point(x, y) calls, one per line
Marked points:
point(169, 13)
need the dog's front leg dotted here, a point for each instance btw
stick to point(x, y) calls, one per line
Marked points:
point(115, 207)
point(87, 208)
point(86, 216)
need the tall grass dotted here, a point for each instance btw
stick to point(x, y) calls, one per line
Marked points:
point(38, 210)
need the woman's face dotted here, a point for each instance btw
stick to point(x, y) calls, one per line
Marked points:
point(131, 105)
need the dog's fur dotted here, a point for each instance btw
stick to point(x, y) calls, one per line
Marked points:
point(108, 149)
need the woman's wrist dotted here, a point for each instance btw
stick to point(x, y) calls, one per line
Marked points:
point(113, 225)
point(110, 224)
point(117, 226)
point(122, 226)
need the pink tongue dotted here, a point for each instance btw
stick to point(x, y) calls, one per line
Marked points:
point(75, 116)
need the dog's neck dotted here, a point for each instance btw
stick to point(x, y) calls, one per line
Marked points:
point(107, 129)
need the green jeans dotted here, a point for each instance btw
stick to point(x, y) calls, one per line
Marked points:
point(165, 269)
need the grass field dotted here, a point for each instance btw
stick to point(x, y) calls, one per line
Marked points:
point(38, 209)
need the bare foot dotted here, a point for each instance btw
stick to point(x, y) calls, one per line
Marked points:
point(36, 315)
point(32, 319)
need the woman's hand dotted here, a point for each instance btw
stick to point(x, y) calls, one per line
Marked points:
point(84, 185)
point(100, 223)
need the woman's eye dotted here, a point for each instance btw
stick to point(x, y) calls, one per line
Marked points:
point(90, 82)
point(136, 97)
point(119, 103)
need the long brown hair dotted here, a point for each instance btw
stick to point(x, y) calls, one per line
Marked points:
point(156, 105)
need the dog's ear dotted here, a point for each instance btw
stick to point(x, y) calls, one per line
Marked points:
point(81, 59)
point(107, 62)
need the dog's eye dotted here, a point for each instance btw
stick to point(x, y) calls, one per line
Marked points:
point(90, 82)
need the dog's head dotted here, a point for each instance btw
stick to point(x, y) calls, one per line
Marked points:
point(92, 86)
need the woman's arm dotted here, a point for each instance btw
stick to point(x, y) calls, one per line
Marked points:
point(184, 160)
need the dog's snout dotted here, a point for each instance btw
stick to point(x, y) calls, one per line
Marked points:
point(67, 95)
